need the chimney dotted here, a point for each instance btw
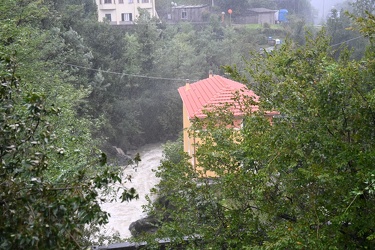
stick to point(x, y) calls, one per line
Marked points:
point(187, 86)
point(210, 73)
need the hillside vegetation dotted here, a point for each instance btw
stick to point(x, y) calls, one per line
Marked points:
point(72, 88)
point(305, 180)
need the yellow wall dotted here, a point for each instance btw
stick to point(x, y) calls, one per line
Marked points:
point(188, 142)
point(191, 144)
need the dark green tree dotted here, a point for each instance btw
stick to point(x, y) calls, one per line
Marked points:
point(340, 28)
point(304, 180)
point(52, 176)
point(360, 7)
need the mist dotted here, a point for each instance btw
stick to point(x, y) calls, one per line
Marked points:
point(323, 8)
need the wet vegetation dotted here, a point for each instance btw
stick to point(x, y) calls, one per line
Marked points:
point(72, 87)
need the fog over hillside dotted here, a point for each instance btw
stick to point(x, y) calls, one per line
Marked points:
point(324, 7)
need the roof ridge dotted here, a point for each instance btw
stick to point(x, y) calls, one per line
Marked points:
point(211, 91)
point(222, 87)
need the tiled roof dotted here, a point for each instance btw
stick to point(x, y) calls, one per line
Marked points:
point(215, 90)
point(262, 10)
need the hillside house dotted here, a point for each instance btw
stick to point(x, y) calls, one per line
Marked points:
point(261, 16)
point(123, 12)
point(189, 13)
point(199, 96)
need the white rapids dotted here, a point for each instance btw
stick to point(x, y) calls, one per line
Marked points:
point(142, 179)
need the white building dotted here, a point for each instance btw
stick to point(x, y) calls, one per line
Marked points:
point(123, 11)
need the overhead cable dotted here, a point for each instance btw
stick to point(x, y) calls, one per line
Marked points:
point(125, 74)
point(355, 38)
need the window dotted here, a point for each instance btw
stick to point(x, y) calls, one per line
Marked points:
point(120, 1)
point(145, 1)
point(108, 17)
point(184, 14)
point(126, 17)
point(107, 1)
point(130, 1)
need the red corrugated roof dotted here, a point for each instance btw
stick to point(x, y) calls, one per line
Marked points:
point(215, 90)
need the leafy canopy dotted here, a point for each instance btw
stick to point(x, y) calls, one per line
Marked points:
point(52, 177)
point(304, 180)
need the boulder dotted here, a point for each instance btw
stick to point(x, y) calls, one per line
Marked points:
point(144, 225)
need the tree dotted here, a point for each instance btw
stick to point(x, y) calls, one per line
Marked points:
point(325, 126)
point(45, 203)
point(52, 176)
point(363, 6)
point(340, 29)
point(306, 180)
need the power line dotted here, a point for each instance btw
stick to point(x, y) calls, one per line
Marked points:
point(165, 78)
point(124, 74)
point(355, 38)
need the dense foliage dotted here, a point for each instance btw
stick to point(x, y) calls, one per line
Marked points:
point(52, 176)
point(304, 180)
point(70, 85)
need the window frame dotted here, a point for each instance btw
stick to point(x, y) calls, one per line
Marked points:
point(129, 17)
point(183, 14)
point(108, 15)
